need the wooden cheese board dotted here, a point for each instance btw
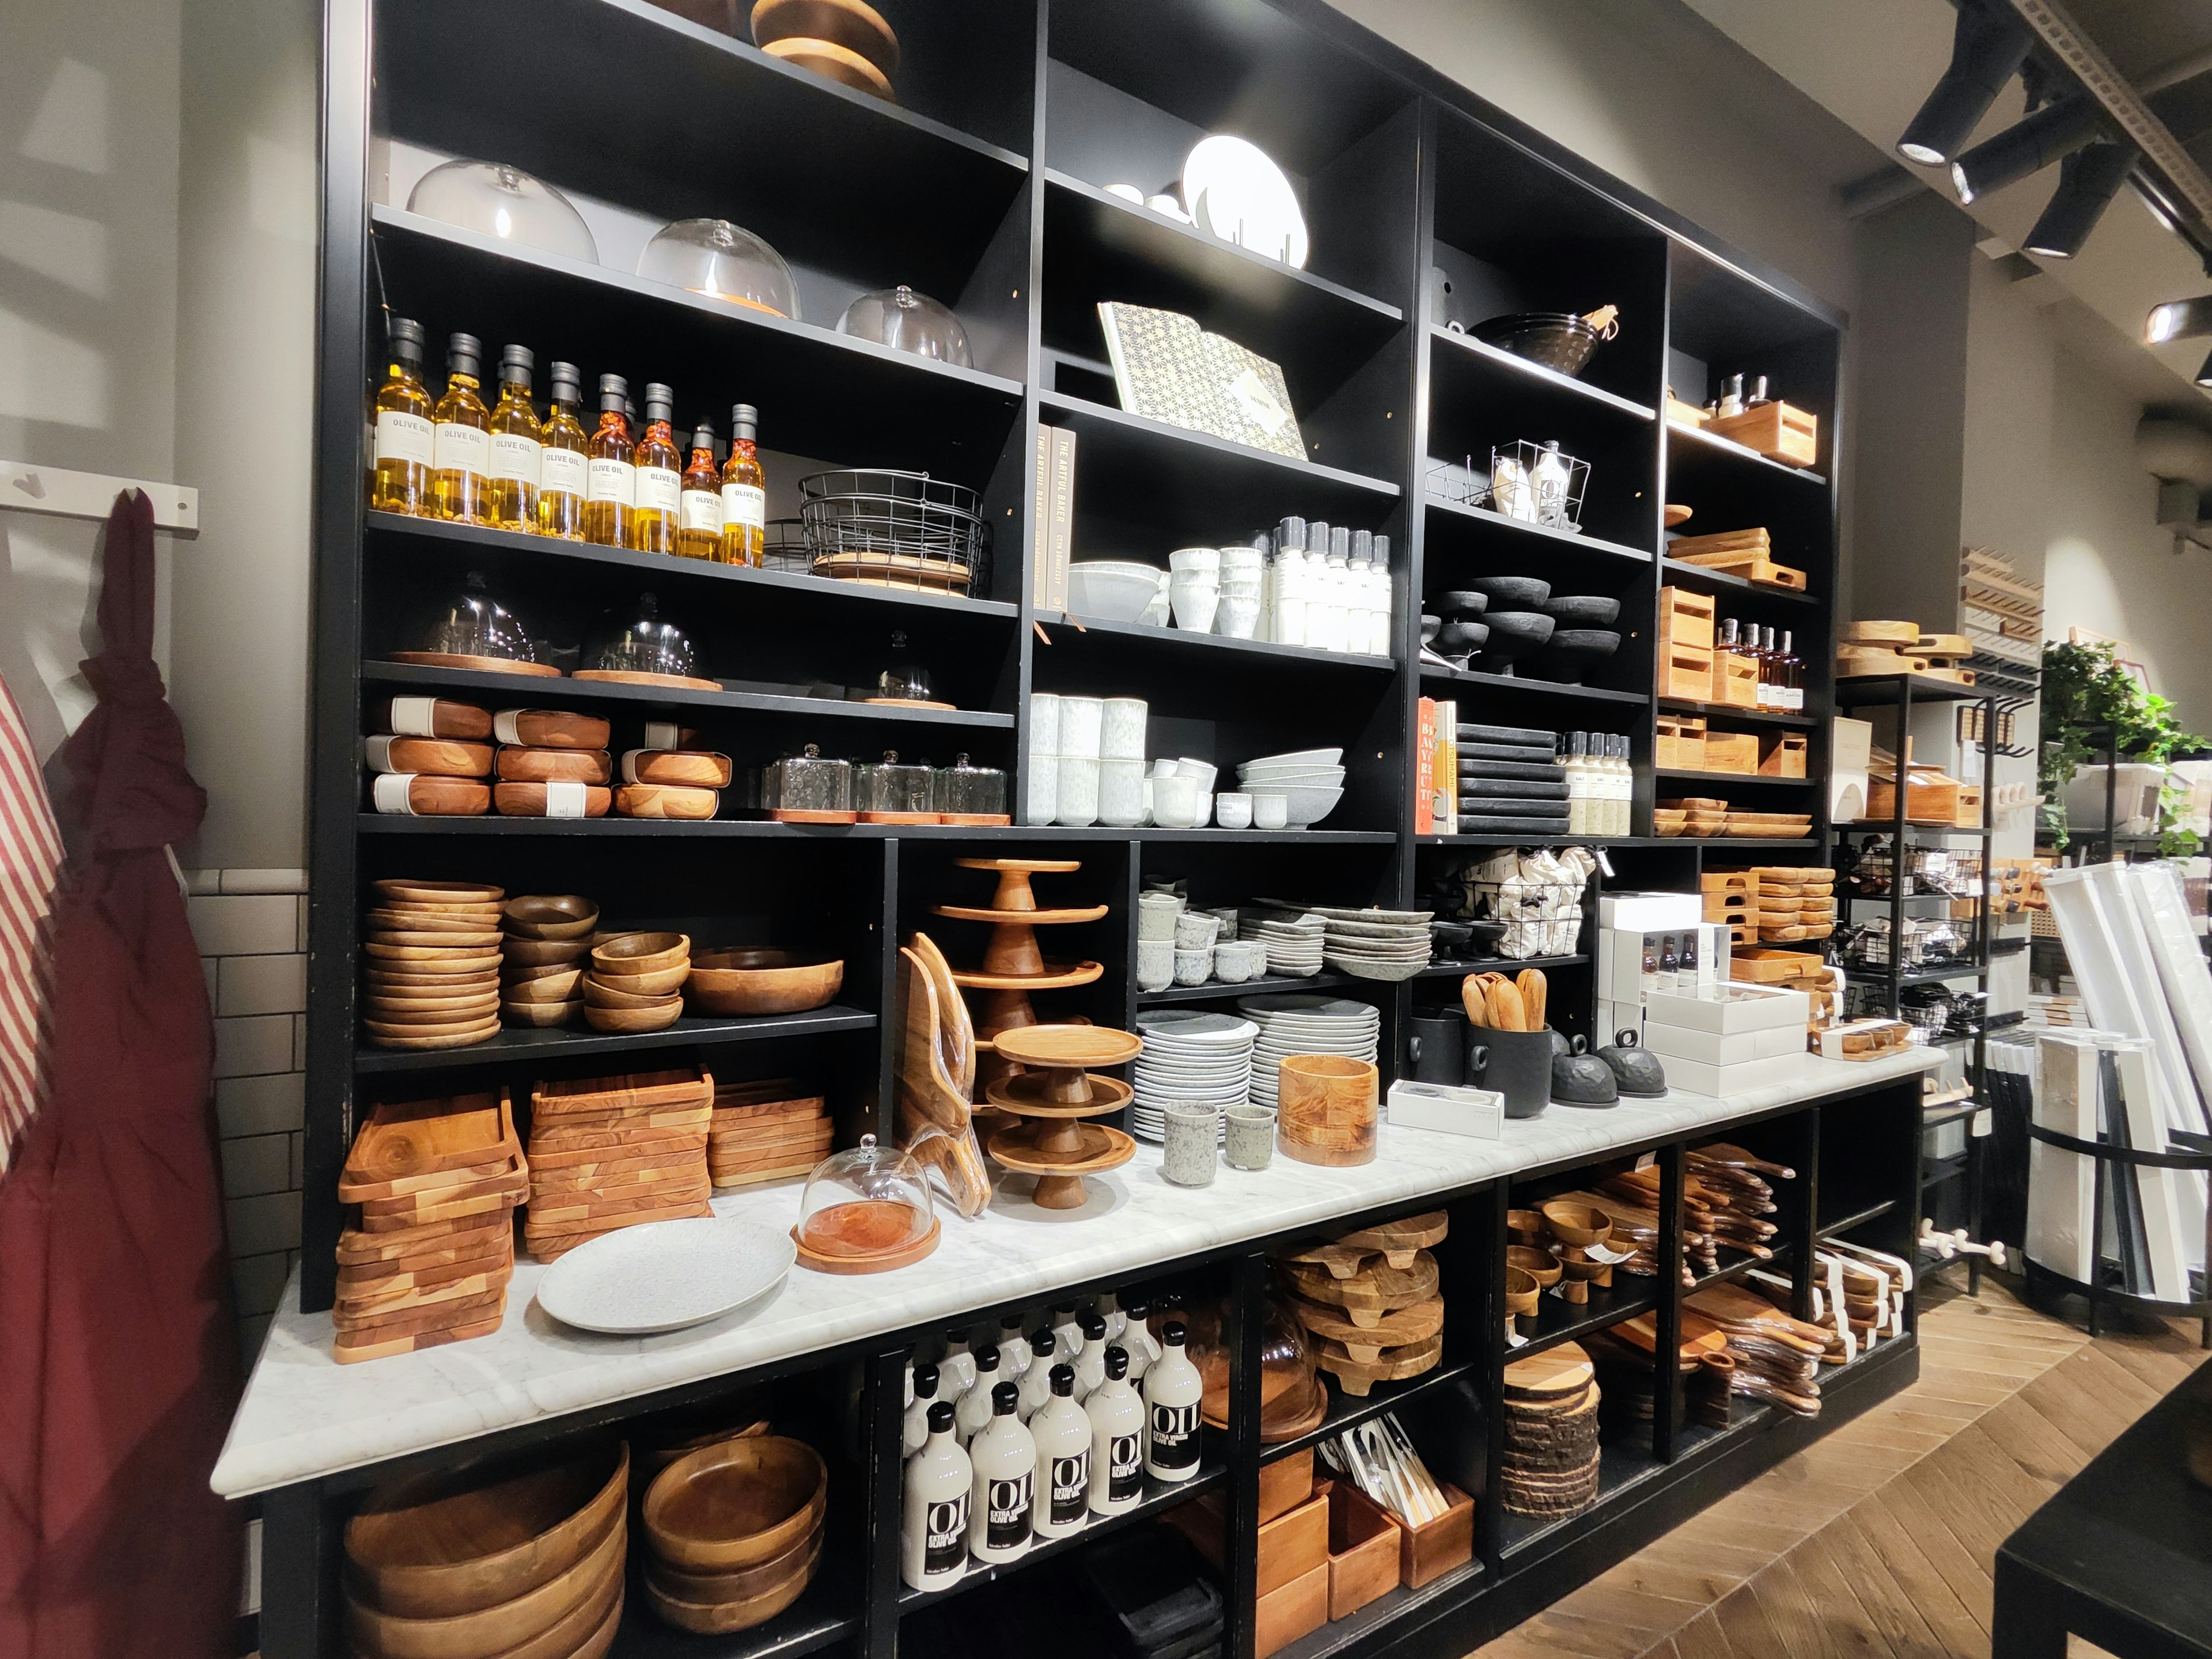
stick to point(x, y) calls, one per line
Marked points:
point(1398, 1240)
point(1374, 1290)
point(1395, 1329)
point(1357, 1377)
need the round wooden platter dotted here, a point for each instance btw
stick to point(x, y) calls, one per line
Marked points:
point(869, 1262)
point(1398, 1240)
point(1033, 918)
point(1677, 515)
point(1019, 1094)
point(386, 1037)
point(1370, 1294)
point(1014, 892)
point(1563, 1372)
point(1068, 1046)
point(480, 664)
point(909, 703)
point(635, 676)
point(438, 895)
point(1396, 1329)
point(1026, 1150)
point(1356, 1376)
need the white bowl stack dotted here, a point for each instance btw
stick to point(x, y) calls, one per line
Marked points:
point(1311, 781)
point(1195, 587)
point(1295, 943)
point(1242, 568)
point(1306, 1023)
point(1114, 590)
point(1384, 944)
point(1189, 1056)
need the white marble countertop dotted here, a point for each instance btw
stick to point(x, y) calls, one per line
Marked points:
point(304, 1416)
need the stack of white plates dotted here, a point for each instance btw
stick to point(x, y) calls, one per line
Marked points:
point(1306, 1023)
point(1311, 781)
point(1294, 943)
point(1201, 1058)
point(1385, 945)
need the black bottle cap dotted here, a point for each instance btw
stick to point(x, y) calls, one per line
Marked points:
point(702, 437)
point(1094, 1327)
point(1117, 1362)
point(1005, 1399)
point(1041, 1343)
point(957, 1334)
point(405, 336)
point(1173, 1334)
point(987, 1360)
point(1136, 1310)
point(464, 354)
point(613, 394)
point(925, 1382)
point(567, 381)
point(515, 364)
point(1063, 1381)
point(940, 1417)
point(659, 401)
point(1058, 1308)
point(745, 423)
point(1010, 1321)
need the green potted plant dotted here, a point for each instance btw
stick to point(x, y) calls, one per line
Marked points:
point(2085, 689)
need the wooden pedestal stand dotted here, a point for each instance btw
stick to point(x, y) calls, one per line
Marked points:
point(1056, 1094)
point(1014, 965)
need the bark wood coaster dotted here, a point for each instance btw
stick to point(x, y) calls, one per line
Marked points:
point(1398, 1240)
point(1417, 1323)
point(1375, 1290)
point(1357, 1376)
point(1558, 1373)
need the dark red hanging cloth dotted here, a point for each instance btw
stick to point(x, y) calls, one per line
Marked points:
point(119, 1361)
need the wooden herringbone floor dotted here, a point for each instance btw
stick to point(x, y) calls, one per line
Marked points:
point(1878, 1541)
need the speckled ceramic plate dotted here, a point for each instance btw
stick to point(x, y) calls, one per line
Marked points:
point(665, 1275)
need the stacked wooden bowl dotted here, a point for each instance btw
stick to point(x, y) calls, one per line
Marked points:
point(847, 41)
point(430, 964)
point(548, 937)
point(670, 783)
point(733, 1532)
point(1551, 1462)
point(635, 982)
point(609, 1152)
point(552, 763)
point(745, 981)
point(1370, 1301)
point(490, 1561)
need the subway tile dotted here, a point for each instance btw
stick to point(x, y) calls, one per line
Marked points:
point(245, 924)
point(265, 881)
point(257, 1163)
point(263, 985)
point(271, 1104)
point(268, 1222)
point(257, 1283)
point(253, 1044)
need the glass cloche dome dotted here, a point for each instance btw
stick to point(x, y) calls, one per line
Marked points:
point(907, 321)
point(504, 203)
point(472, 623)
point(866, 1209)
point(1290, 1396)
point(637, 642)
point(722, 261)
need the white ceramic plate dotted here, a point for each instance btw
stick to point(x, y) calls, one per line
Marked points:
point(665, 1275)
point(1236, 191)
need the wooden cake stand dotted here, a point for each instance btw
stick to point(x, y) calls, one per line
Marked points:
point(1055, 1144)
point(1013, 964)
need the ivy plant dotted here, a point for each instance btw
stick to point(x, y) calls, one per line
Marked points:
point(2085, 689)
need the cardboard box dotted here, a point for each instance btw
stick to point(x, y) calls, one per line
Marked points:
point(1694, 1077)
point(1729, 1008)
point(1648, 912)
point(1452, 1110)
point(1672, 1042)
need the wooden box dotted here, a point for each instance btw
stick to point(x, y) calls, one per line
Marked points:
point(1686, 671)
point(1775, 430)
point(1429, 1551)
point(1782, 755)
point(1285, 1483)
point(1295, 1610)
point(1736, 680)
point(1291, 1545)
point(1927, 800)
point(1363, 1550)
point(1732, 751)
point(1685, 618)
point(1969, 813)
point(1683, 414)
point(1680, 743)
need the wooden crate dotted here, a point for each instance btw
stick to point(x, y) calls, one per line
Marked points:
point(1680, 743)
point(1732, 751)
point(1685, 671)
point(1363, 1550)
point(1686, 618)
point(1969, 813)
point(1775, 430)
point(1736, 680)
point(1927, 800)
point(1782, 755)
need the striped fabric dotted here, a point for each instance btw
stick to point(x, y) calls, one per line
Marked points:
point(30, 856)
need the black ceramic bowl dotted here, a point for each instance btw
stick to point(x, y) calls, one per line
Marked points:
point(1514, 592)
point(1513, 635)
point(1557, 339)
point(1461, 603)
point(1582, 610)
point(1571, 652)
point(1429, 626)
point(1456, 638)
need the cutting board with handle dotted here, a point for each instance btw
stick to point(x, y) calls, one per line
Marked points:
point(1700, 1336)
point(1398, 1240)
point(1732, 1304)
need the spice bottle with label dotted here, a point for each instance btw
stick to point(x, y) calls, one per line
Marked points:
point(1036, 1382)
point(518, 441)
point(1172, 1392)
point(611, 479)
point(1117, 1438)
point(399, 476)
point(1004, 1494)
point(659, 505)
point(461, 459)
point(745, 491)
point(933, 1527)
point(1062, 1433)
point(972, 1413)
point(564, 462)
point(699, 535)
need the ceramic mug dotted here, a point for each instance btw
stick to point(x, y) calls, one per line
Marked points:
point(1233, 811)
point(1175, 802)
point(1192, 967)
point(1233, 964)
point(1156, 963)
point(1226, 915)
point(1195, 930)
point(1121, 793)
point(1248, 1137)
point(1191, 1137)
point(1078, 791)
point(1156, 917)
point(1043, 778)
point(1080, 720)
point(1270, 811)
point(1195, 603)
point(1121, 729)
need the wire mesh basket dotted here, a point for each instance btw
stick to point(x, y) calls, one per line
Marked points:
point(1536, 483)
point(895, 529)
point(784, 547)
point(1537, 895)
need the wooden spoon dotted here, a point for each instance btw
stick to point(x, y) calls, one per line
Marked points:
point(1531, 985)
point(1506, 1012)
point(1471, 999)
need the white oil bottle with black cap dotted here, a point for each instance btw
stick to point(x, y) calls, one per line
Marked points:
point(1036, 1382)
point(1117, 1438)
point(956, 1371)
point(1139, 1342)
point(1004, 1494)
point(1172, 1392)
point(1067, 1330)
point(1013, 1349)
point(1062, 1433)
point(972, 1415)
point(933, 1528)
point(923, 1379)
point(1089, 1366)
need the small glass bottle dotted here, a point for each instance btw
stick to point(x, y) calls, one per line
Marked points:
point(611, 489)
point(1686, 974)
point(1650, 969)
point(399, 465)
point(700, 534)
point(659, 505)
point(1757, 394)
point(518, 444)
point(564, 467)
point(1793, 675)
point(460, 464)
point(1670, 963)
point(745, 491)
point(1732, 399)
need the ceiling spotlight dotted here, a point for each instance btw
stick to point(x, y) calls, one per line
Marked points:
point(2088, 181)
point(2178, 320)
point(1988, 46)
point(2052, 133)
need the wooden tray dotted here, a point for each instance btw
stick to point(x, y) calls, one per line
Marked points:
point(634, 677)
point(686, 1087)
point(478, 665)
point(1399, 1328)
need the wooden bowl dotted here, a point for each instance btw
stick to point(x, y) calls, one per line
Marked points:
point(456, 956)
point(743, 1584)
point(632, 1022)
point(494, 1631)
point(641, 953)
point(545, 953)
point(440, 894)
point(1525, 1226)
point(539, 1013)
point(551, 765)
point(853, 24)
point(736, 1503)
point(445, 718)
point(689, 768)
point(551, 728)
point(550, 916)
point(529, 800)
point(1586, 1273)
point(410, 1001)
point(522, 973)
point(457, 1026)
point(458, 941)
point(659, 982)
point(432, 1020)
point(757, 981)
point(668, 801)
point(435, 756)
point(833, 63)
point(600, 995)
point(720, 1618)
point(1540, 1265)
point(562, 985)
point(1521, 1292)
point(1577, 1224)
point(454, 1542)
point(399, 920)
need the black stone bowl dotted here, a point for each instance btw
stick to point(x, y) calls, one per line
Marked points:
point(1514, 592)
point(1429, 626)
point(1513, 635)
point(1582, 610)
point(1456, 639)
point(1461, 603)
point(1571, 652)
point(1557, 339)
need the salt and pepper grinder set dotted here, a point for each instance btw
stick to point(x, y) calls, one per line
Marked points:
point(1010, 1460)
point(1326, 588)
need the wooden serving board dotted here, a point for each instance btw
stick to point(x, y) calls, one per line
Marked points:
point(411, 1138)
point(1396, 1329)
point(1731, 1304)
point(685, 1086)
point(422, 1272)
point(1398, 1240)
point(479, 664)
point(1342, 1260)
point(1700, 1336)
point(1356, 1376)
point(369, 1344)
point(633, 677)
point(406, 1322)
point(1563, 1372)
point(1374, 1290)
point(1752, 566)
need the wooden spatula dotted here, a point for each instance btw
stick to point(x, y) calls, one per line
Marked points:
point(1506, 1012)
point(1472, 998)
point(1534, 991)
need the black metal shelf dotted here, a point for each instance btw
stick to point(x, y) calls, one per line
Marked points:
point(1853, 1218)
point(1879, 690)
point(374, 823)
point(1214, 990)
point(1518, 682)
point(1532, 381)
point(536, 690)
point(1558, 1320)
point(1143, 637)
point(818, 1620)
point(1496, 965)
point(1733, 778)
point(1344, 1410)
point(1736, 1262)
point(537, 1046)
point(1716, 711)
point(1674, 570)
point(1734, 453)
point(1544, 542)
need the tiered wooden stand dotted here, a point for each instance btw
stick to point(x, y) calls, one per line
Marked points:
point(1014, 963)
point(1055, 1094)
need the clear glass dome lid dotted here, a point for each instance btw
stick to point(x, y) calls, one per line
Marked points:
point(962, 787)
point(722, 261)
point(892, 785)
point(907, 321)
point(506, 204)
point(472, 623)
point(870, 1201)
point(637, 642)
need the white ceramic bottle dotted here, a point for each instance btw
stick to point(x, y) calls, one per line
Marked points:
point(971, 1414)
point(933, 1528)
point(1035, 1386)
point(1117, 1438)
point(1109, 1310)
point(1172, 1392)
point(1090, 1367)
point(1013, 1349)
point(1138, 1341)
point(923, 1379)
point(956, 1371)
point(1004, 1458)
point(1062, 1433)
point(1067, 1330)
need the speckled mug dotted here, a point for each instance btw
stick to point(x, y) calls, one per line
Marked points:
point(1191, 1135)
point(1249, 1137)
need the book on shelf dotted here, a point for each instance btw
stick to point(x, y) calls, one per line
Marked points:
point(1168, 368)
point(1050, 547)
point(1041, 522)
point(1445, 768)
point(1424, 768)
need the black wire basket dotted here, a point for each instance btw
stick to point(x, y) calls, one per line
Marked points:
point(896, 529)
point(784, 547)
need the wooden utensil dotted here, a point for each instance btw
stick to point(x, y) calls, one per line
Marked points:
point(1474, 1001)
point(1506, 1010)
point(1532, 986)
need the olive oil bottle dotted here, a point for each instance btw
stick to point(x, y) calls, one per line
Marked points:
point(399, 474)
point(564, 464)
point(518, 441)
point(612, 487)
point(460, 462)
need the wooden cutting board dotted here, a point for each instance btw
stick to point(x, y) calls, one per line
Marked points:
point(409, 1140)
point(1370, 1293)
point(1357, 1376)
point(616, 1096)
point(1557, 1373)
point(1732, 1304)
point(1342, 1260)
point(1417, 1323)
point(1700, 1336)
point(1398, 1240)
